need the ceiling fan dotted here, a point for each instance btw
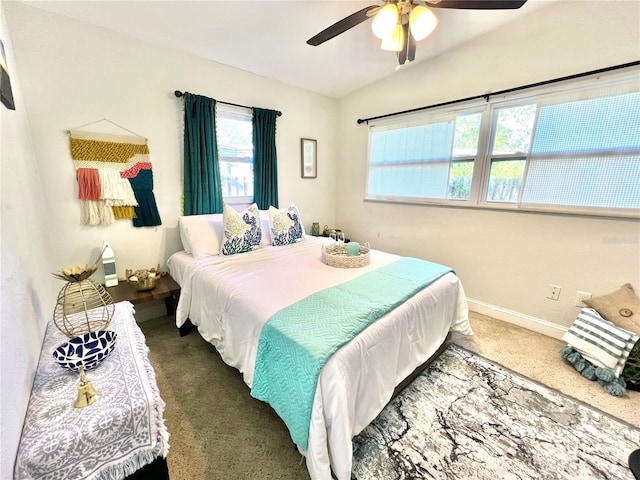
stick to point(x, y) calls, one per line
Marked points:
point(400, 23)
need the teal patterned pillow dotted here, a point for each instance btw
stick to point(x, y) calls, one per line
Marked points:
point(286, 226)
point(242, 231)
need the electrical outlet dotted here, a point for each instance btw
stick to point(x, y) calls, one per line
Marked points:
point(581, 297)
point(554, 292)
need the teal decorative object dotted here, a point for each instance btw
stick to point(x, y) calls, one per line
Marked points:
point(353, 248)
point(605, 376)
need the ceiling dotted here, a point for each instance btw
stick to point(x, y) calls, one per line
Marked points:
point(268, 37)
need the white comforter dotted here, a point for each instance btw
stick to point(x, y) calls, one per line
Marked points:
point(229, 298)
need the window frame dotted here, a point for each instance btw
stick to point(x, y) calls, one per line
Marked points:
point(487, 157)
point(478, 177)
point(484, 157)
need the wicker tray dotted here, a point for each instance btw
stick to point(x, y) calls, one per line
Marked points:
point(335, 255)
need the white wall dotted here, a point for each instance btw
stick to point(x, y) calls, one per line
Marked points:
point(25, 283)
point(504, 259)
point(71, 74)
point(74, 73)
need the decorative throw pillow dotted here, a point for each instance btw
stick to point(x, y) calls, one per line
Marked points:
point(599, 341)
point(286, 226)
point(621, 307)
point(242, 231)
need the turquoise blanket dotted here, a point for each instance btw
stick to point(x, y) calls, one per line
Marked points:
point(297, 341)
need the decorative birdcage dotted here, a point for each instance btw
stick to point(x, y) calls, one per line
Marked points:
point(82, 306)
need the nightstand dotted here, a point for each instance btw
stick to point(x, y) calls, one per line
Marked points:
point(166, 288)
point(122, 433)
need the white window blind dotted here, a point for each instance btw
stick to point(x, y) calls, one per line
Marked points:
point(586, 151)
point(571, 147)
point(410, 160)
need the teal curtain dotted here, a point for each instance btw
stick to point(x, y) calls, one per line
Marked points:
point(265, 159)
point(202, 186)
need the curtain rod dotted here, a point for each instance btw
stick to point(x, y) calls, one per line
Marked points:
point(179, 94)
point(487, 95)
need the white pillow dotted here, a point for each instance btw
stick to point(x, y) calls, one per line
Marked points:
point(201, 234)
point(184, 238)
point(286, 225)
point(265, 227)
point(242, 232)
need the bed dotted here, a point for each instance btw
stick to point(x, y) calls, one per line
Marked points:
point(229, 298)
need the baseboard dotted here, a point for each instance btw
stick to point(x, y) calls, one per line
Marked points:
point(530, 323)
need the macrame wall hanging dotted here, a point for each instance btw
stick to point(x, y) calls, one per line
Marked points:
point(115, 180)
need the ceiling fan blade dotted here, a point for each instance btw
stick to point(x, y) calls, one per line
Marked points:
point(478, 4)
point(341, 26)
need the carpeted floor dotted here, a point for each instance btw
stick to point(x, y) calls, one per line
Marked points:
point(218, 431)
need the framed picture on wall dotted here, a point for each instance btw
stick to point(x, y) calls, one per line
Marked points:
point(6, 95)
point(309, 154)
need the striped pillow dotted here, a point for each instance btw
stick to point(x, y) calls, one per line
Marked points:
point(600, 341)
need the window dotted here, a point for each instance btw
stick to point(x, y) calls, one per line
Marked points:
point(234, 133)
point(586, 153)
point(465, 151)
point(411, 160)
point(571, 149)
point(431, 158)
point(512, 134)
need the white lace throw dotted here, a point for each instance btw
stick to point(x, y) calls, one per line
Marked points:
point(108, 440)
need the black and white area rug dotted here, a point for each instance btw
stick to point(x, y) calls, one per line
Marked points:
point(467, 418)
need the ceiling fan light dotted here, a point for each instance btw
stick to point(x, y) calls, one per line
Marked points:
point(385, 21)
point(422, 22)
point(395, 42)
